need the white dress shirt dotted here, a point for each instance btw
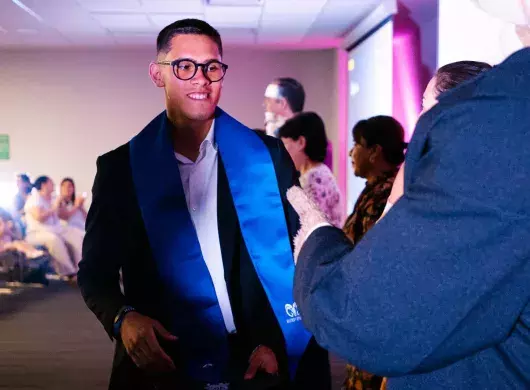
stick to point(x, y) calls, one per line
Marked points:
point(199, 180)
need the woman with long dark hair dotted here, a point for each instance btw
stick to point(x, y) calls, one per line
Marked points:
point(72, 209)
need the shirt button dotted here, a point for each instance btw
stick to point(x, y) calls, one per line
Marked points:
point(194, 209)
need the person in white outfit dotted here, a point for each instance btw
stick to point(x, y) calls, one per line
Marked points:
point(44, 228)
point(72, 209)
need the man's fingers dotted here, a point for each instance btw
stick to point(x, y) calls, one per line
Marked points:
point(137, 360)
point(159, 358)
point(140, 357)
point(271, 367)
point(163, 332)
point(252, 369)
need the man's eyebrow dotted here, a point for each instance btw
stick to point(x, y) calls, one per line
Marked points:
point(195, 60)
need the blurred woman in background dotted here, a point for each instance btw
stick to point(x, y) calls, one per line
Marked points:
point(72, 209)
point(44, 228)
point(304, 137)
point(24, 190)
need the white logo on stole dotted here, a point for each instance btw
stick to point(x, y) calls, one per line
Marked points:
point(217, 386)
point(292, 312)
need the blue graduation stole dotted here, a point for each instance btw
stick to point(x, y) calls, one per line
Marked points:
point(195, 313)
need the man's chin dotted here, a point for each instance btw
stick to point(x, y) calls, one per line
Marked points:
point(202, 115)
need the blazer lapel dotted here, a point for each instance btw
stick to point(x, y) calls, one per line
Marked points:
point(226, 222)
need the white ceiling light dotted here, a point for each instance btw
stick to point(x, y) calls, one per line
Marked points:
point(28, 10)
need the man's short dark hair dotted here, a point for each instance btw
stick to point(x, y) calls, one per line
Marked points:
point(293, 92)
point(386, 132)
point(186, 27)
point(311, 127)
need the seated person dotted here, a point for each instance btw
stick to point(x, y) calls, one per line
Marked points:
point(24, 190)
point(72, 209)
point(9, 240)
point(44, 228)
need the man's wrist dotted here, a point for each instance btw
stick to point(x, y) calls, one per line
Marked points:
point(118, 320)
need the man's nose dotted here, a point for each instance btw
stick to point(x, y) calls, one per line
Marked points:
point(200, 78)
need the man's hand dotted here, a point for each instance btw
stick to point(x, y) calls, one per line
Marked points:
point(262, 359)
point(138, 334)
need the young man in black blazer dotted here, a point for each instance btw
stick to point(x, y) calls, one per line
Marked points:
point(193, 211)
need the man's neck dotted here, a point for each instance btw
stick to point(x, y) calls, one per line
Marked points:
point(188, 136)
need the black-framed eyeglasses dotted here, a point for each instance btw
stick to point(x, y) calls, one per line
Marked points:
point(186, 69)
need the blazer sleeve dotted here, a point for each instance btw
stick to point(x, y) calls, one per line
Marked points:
point(104, 247)
point(442, 276)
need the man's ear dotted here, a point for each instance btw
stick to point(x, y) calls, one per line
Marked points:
point(283, 103)
point(155, 74)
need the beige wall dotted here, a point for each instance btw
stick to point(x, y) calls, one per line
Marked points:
point(64, 108)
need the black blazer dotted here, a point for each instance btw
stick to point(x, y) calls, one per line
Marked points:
point(116, 239)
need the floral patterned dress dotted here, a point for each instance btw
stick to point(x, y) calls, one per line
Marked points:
point(367, 211)
point(321, 187)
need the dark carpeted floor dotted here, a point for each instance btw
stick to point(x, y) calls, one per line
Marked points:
point(50, 341)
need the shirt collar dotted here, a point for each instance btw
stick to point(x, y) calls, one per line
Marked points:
point(210, 138)
point(208, 142)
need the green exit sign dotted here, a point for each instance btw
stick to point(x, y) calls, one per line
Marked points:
point(4, 147)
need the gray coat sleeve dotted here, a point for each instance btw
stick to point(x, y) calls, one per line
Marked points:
point(445, 273)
